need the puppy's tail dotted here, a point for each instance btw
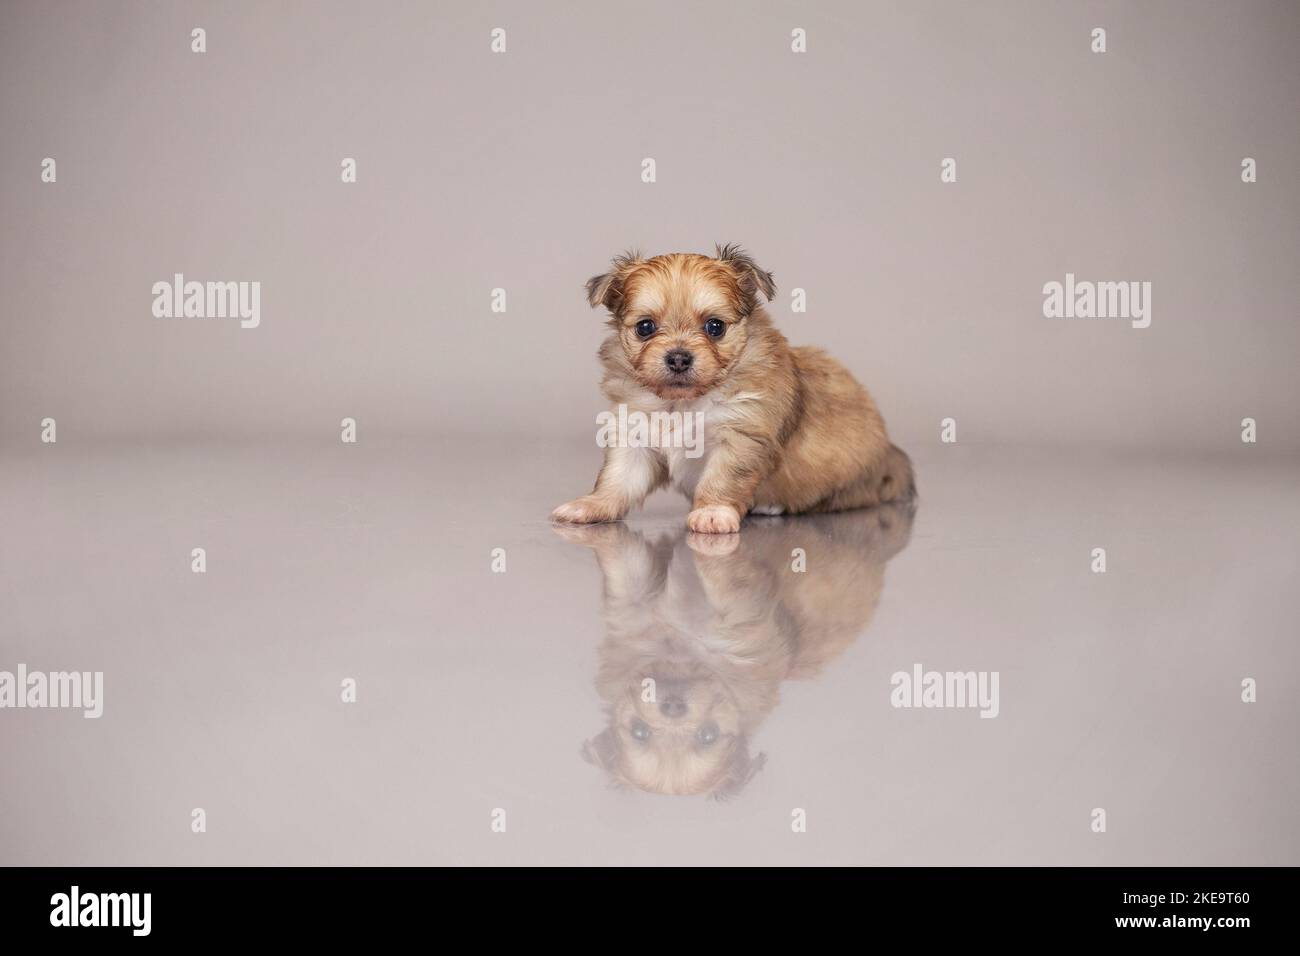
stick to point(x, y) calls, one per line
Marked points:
point(887, 480)
point(895, 480)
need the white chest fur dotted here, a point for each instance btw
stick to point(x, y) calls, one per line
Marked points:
point(685, 472)
point(689, 435)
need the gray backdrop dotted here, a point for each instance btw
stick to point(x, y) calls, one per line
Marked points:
point(522, 171)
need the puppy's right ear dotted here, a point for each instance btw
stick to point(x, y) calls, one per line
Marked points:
point(607, 289)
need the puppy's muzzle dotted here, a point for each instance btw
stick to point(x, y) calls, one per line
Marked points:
point(679, 361)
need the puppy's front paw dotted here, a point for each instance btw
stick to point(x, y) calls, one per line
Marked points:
point(585, 510)
point(714, 519)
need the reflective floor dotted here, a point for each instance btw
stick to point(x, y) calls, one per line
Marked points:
point(633, 694)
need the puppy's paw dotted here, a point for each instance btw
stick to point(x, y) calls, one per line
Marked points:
point(714, 519)
point(585, 510)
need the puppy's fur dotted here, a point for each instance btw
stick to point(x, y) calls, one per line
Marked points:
point(719, 623)
point(786, 430)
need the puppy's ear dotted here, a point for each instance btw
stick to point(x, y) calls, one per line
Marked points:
point(753, 280)
point(607, 289)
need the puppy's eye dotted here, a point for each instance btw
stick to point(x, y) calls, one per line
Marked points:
point(708, 733)
point(640, 730)
point(645, 328)
point(714, 327)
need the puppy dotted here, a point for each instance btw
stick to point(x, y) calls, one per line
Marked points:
point(702, 630)
point(785, 430)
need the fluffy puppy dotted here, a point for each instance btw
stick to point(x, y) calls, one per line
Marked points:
point(785, 430)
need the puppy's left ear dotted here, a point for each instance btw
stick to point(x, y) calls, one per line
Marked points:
point(753, 280)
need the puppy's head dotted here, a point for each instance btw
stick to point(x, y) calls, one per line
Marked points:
point(681, 320)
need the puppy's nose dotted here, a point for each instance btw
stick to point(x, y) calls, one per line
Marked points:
point(679, 360)
point(672, 707)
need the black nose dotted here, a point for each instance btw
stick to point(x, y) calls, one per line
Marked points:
point(679, 360)
point(672, 707)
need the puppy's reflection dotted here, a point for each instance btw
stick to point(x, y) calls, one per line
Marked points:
point(701, 630)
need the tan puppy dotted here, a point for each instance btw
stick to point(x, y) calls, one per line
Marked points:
point(785, 430)
point(713, 626)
